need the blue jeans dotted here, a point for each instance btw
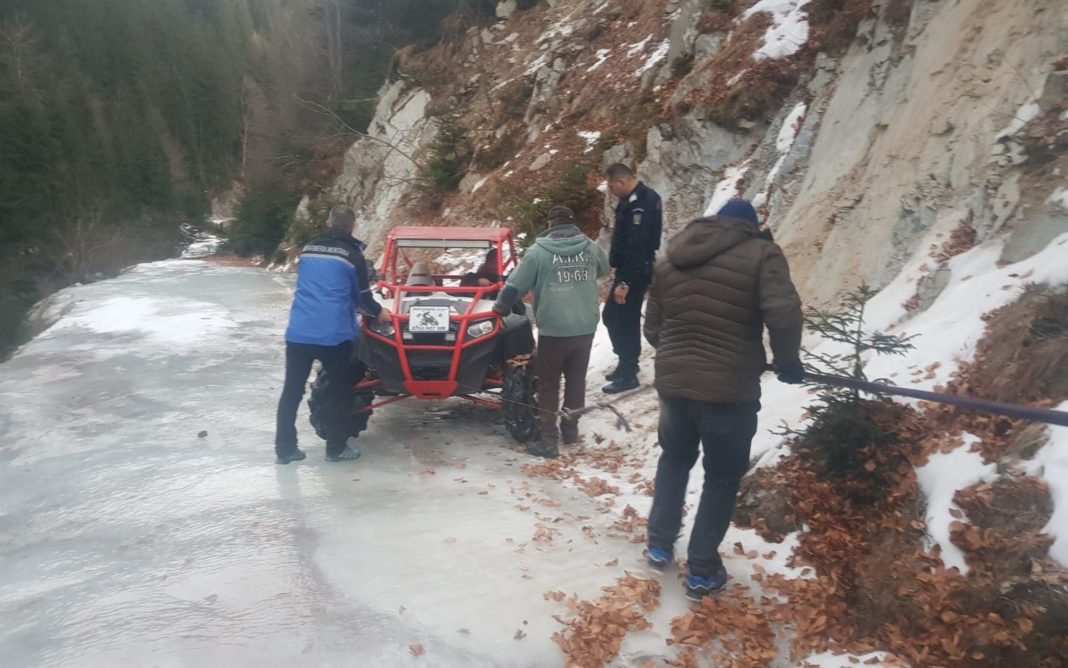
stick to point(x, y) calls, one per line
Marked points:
point(726, 432)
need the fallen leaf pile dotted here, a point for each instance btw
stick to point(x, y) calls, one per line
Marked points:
point(594, 633)
point(594, 487)
point(960, 240)
point(631, 521)
point(878, 586)
point(544, 534)
point(739, 625)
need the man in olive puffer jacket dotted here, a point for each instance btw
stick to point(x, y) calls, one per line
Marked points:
point(720, 284)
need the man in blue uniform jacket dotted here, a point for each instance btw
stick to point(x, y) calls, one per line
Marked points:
point(635, 240)
point(332, 283)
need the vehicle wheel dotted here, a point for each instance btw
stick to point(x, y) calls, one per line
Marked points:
point(359, 400)
point(519, 403)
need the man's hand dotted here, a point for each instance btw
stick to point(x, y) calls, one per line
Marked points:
point(484, 282)
point(385, 315)
point(792, 374)
point(620, 293)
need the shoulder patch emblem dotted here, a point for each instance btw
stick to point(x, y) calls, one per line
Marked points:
point(637, 219)
point(633, 197)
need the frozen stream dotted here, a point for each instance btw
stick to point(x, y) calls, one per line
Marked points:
point(127, 540)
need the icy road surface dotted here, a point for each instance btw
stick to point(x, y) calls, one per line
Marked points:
point(126, 540)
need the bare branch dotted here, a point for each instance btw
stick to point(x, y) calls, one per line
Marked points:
point(349, 130)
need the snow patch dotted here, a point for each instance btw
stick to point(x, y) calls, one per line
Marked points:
point(601, 56)
point(166, 322)
point(478, 186)
point(638, 47)
point(727, 188)
point(832, 660)
point(939, 479)
point(975, 279)
point(562, 29)
point(1022, 117)
point(783, 143)
point(654, 58)
point(591, 139)
point(538, 63)
point(205, 246)
point(947, 332)
point(1059, 198)
point(1051, 464)
point(789, 29)
point(790, 127)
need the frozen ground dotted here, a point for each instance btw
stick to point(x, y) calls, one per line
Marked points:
point(127, 540)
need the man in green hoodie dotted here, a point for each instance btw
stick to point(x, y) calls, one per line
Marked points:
point(563, 269)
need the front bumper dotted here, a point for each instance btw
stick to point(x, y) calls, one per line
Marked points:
point(428, 374)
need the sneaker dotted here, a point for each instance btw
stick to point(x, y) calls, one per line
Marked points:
point(659, 559)
point(346, 455)
point(621, 384)
point(295, 456)
point(698, 587)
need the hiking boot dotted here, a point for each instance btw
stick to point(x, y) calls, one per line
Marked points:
point(698, 587)
point(569, 433)
point(659, 559)
point(295, 456)
point(544, 448)
point(621, 384)
point(621, 369)
point(346, 455)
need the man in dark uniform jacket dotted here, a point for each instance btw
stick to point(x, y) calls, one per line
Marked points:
point(332, 283)
point(635, 240)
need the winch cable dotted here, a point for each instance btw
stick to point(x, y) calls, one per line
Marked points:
point(1013, 411)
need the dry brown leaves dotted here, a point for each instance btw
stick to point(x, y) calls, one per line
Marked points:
point(593, 635)
point(878, 587)
point(740, 625)
point(960, 240)
point(553, 469)
point(594, 487)
point(544, 535)
point(631, 520)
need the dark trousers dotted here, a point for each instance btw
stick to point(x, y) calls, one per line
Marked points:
point(568, 356)
point(726, 432)
point(299, 359)
point(624, 324)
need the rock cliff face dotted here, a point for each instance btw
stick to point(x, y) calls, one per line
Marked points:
point(855, 126)
point(379, 168)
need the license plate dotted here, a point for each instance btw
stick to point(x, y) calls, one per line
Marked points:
point(429, 319)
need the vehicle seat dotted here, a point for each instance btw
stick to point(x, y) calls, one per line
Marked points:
point(420, 275)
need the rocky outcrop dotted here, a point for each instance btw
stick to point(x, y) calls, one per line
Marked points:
point(379, 169)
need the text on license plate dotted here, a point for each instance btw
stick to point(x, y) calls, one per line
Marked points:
point(424, 319)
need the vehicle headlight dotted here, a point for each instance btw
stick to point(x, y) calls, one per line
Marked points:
point(480, 329)
point(383, 328)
